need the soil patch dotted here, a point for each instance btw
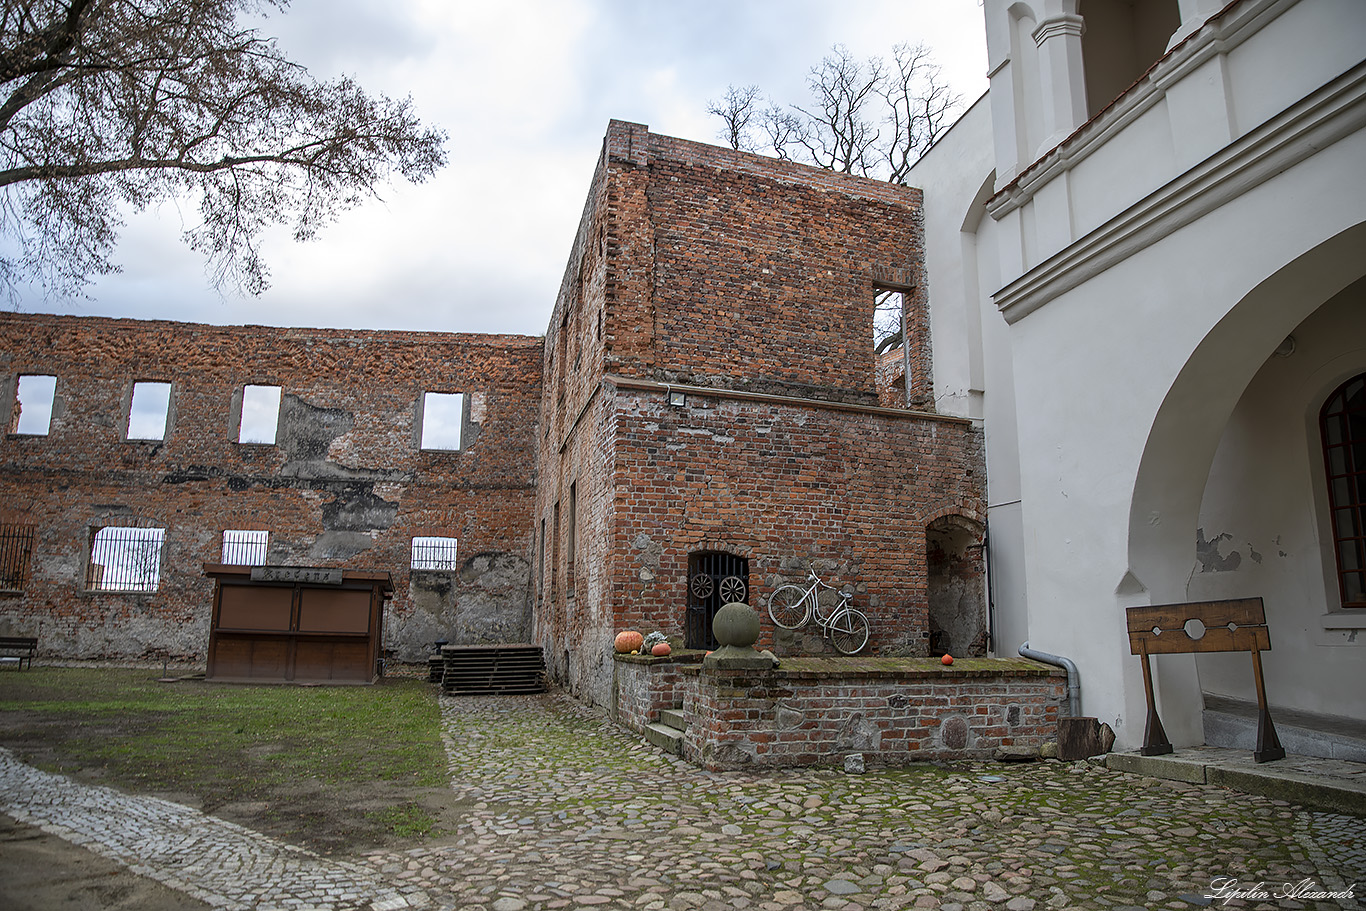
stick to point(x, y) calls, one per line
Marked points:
point(39, 872)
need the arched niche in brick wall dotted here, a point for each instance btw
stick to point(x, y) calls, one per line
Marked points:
point(956, 588)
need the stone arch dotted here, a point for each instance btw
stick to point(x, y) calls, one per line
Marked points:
point(956, 585)
point(1170, 482)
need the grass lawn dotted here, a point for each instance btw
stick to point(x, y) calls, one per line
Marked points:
point(335, 768)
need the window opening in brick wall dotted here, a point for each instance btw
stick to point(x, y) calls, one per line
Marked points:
point(125, 558)
point(16, 555)
point(242, 547)
point(570, 540)
point(715, 578)
point(32, 407)
point(148, 411)
point(887, 314)
point(260, 415)
point(554, 548)
point(442, 416)
point(1342, 423)
point(434, 553)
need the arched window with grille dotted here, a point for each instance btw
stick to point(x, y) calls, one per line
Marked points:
point(714, 578)
point(1343, 425)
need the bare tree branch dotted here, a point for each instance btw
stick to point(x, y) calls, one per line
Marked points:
point(738, 112)
point(106, 104)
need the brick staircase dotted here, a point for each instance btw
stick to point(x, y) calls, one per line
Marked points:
point(667, 732)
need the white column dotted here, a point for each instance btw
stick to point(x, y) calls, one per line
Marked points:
point(1062, 77)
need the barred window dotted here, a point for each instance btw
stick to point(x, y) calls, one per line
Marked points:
point(432, 552)
point(245, 548)
point(125, 559)
point(16, 553)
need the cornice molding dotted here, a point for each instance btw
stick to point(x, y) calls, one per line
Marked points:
point(1333, 112)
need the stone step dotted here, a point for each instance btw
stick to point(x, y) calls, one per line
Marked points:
point(1233, 723)
point(673, 718)
point(668, 739)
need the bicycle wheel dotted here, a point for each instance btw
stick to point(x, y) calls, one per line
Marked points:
point(849, 631)
point(788, 606)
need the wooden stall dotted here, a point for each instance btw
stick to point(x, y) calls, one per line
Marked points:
point(296, 624)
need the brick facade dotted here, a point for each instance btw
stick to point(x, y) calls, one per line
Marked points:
point(344, 484)
point(711, 386)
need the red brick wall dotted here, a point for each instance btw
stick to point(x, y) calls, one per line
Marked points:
point(344, 485)
point(748, 278)
point(796, 715)
point(814, 711)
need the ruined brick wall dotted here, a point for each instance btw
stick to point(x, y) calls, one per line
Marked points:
point(345, 483)
point(751, 281)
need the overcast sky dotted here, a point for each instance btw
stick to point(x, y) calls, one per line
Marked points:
point(525, 90)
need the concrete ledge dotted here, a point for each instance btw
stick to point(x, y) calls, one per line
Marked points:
point(1170, 767)
point(1331, 785)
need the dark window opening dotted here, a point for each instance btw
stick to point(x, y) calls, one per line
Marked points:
point(715, 578)
point(1342, 423)
point(16, 555)
point(570, 541)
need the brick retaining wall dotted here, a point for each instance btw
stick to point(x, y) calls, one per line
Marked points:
point(813, 711)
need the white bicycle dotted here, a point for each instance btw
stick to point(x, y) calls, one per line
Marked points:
point(792, 607)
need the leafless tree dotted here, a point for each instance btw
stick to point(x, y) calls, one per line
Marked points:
point(864, 117)
point(738, 113)
point(107, 105)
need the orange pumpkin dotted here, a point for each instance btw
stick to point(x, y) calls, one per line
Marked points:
point(661, 649)
point(628, 641)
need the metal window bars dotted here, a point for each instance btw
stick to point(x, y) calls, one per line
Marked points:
point(16, 555)
point(245, 548)
point(431, 552)
point(125, 559)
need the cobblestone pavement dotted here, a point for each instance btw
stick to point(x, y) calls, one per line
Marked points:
point(568, 811)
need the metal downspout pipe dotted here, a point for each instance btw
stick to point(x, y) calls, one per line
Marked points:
point(1073, 675)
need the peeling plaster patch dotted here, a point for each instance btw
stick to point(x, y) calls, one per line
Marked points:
point(1207, 553)
point(1256, 557)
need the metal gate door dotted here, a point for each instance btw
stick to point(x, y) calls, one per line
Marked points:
point(714, 578)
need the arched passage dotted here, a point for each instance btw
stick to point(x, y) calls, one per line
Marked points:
point(1224, 497)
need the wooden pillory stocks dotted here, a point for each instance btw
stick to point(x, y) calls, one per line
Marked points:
point(1203, 626)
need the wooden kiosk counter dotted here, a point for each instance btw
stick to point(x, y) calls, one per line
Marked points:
point(296, 624)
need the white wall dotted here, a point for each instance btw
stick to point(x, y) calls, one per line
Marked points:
point(1264, 511)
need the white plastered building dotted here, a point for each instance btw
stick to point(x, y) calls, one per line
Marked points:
point(1146, 250)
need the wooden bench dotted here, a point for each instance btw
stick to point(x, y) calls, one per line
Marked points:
point(21, 647)
point(1203, 626)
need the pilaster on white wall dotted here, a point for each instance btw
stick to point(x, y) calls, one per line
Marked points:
point(1194, 13)
point(1062, 78)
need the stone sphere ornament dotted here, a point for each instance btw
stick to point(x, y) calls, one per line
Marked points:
point(736, 624)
